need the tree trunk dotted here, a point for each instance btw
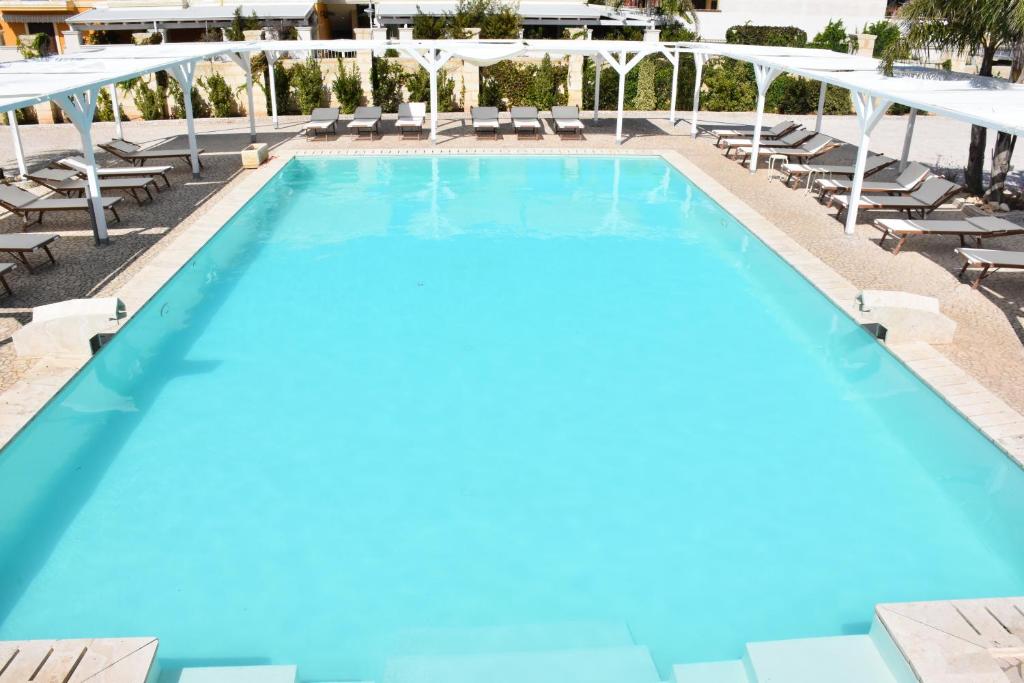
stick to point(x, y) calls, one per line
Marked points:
point(1005, 142)
point(974, 172)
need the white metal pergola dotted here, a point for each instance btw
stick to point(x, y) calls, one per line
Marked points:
point(74, 80)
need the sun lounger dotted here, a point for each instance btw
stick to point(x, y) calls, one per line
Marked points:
point(567, 121)
point(321, 121)
point(795, 170)
point(485, 121)
point(120, 171)
point(4, 269)
point(410, 119)
point(989, 261)
point(21, 245)
point(932, 194)
point(137, 156)
point(811, 148)
point(773, 133)
point(907, 181)
point(69, 184)
point(24, 204)
point(976, 227)
point(526, 122)
point(790, 139)
point(365, 122)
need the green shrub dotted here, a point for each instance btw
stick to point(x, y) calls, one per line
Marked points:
point(886, 33)
point(729, 86)
point(510, 84)
point(348, 88)
point(749, 34)
point(38, 47)
point(662, 84)
point(307, 84)
point(834, 37)
point(220, 95)
point(418, 85)
point(151, 102)
point(795, 95)
point(386, 79)
point(261, 76)
point(429, 26)
point(200, 109)
point(495, 19)
point(241, 23)
point(500, 21)
point(645, 98)
point(105, 107)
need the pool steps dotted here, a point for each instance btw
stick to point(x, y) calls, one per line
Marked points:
point(623, 664)
point(838, 659)
point(269, 673)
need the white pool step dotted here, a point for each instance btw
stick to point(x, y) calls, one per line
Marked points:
point(632, 664)
point(840, 659)
point(239, 674)
point(711, 672)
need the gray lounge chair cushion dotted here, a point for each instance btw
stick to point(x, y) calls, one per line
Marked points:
point(365, 117)
point(24, 241)
point(411, 114)
point(567, 117)
point(321, 118)
point(929, 195)
point(999, 258)
point(16, 197)
point(873, 164)
point(525, 117)
point(747, 131)
point(485, 117)
point(125, 171)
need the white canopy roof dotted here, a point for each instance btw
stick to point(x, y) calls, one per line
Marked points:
point(194, 15)
point(403, 10)
point(989, 102)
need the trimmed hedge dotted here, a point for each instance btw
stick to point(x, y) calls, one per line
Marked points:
point(509, 84)
point(783, 36)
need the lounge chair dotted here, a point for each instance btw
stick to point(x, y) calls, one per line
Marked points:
point(526, 121)
point(907, 181)
point(119, 171)
point(24, 204)
point(69, 184)
point(322, 120)
point(796, 170)
point(932, 194)
point(989, 261)
point(976, 227)
point(21, 245)
point(4, 269)
point(485, 122)
point(365, 122)
point(410, 119)
point(773, 133)
point(790, 139)
point(811, 148)
point(567, 121)
point(137, 156)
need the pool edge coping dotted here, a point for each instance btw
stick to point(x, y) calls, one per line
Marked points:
point(986, 412)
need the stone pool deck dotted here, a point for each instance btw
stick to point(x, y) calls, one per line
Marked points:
point(987, 352)
point(100, 660)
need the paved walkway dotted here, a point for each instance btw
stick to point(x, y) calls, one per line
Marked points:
point(987, 344)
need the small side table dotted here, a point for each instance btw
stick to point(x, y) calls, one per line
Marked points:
point(776, 171)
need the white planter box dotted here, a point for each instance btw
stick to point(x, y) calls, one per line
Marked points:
point(255, 154)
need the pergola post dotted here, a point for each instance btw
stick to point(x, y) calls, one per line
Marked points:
point(185, 74)
point(905, 155)
point(598, 65)
point(80, 108)
point(271, 60)
point(19, 153)
point(622, 64)
point(821, 106)
point(764, 75)
point(698, 62)
point(869, 112)
point(118, 130)
point(674, 58)
point(433, 61)
point(242, 60)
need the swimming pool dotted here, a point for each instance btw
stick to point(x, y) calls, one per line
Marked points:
point(399, 400)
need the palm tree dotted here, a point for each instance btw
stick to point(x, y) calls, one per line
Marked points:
point(962, 28)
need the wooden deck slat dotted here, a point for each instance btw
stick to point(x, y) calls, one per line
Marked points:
point(31, 654)
point(62, 662)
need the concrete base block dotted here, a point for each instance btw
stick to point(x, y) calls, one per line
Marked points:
point(908, 317)
point(64, 329)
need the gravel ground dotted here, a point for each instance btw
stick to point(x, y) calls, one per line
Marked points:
point(989, 338)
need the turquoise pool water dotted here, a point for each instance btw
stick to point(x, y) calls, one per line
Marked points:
point(397, 400)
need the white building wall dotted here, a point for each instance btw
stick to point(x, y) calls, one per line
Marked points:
point(809, 15)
